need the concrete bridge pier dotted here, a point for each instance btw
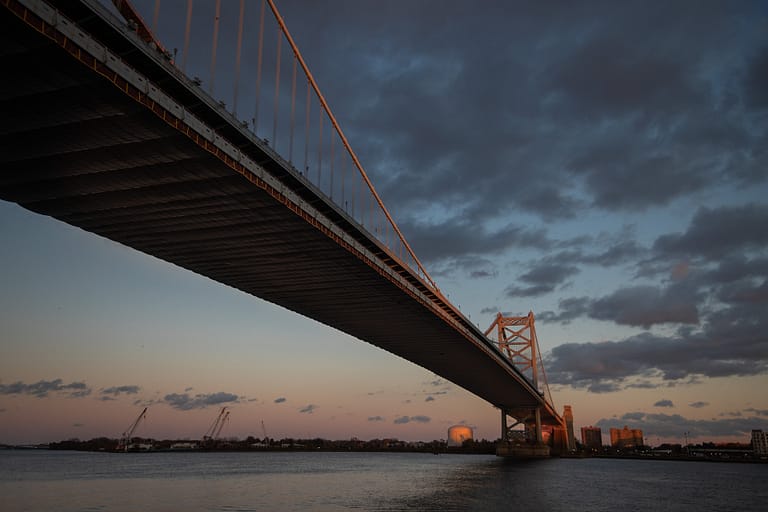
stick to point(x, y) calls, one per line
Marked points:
point(526, 444)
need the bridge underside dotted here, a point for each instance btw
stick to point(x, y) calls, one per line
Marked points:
point(76, 148)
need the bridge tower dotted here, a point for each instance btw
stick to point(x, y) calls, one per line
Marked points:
point(516, 338)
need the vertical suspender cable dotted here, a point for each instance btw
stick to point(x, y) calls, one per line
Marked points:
point(343, 177)
point(331, 194)
point(353, 193)
point(361, 203)
point(277, 90)
point(306, 131)
point(186, 37)
point(156, 16)
point(214, 45)
point(258, 69)
point(320, 153)
point(293, 111)
point(237, 56)
point(324, 105)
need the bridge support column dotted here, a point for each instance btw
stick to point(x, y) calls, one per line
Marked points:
point(526, 444)
point(504, 428)
point(537, 414)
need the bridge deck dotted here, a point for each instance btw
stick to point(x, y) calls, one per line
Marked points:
point(78, 148)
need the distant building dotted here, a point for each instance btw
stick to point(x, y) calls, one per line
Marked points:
point(759, 442)
point(626, 438)
point(559, 443)
point(568, 417)
point(592, 438)
point(457, 434)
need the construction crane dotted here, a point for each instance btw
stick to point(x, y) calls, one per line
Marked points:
point(125, 439)
point(136, 22)
point(213, 432)
point(221, 426)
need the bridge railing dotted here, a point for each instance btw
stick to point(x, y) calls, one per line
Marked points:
point(242, 55)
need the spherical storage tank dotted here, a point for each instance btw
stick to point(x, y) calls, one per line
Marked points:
point(457, 434)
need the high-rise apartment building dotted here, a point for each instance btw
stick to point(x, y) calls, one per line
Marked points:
point(568, 417)
point(759, 442)
point(592, 438)
point(626, 437)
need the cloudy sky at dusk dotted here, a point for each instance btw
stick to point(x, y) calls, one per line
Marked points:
point(603, 164)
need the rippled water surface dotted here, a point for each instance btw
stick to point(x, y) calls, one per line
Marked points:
point(73, 481)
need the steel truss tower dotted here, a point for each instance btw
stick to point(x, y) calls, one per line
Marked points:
point(516, 338)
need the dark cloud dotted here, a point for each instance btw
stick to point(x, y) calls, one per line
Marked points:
point(718, 232)
point(643, 306)
point(688, 354)
point(186, 402)
point(664, 403)
point(308, 409)
point(745, 292)
point(80, 394)
point(456, 237)
point(118, 390)
point(642, 384)
point(673, 425)
point(735, 268)
point(623, 251)
point(601, 386)
point(698, 405)
point(638, 306)
point(434, 388)
point(608, 78)
point(756, 80)
point(43, 388)
point(482, 274)
point(375, 418)
point(632, 416)
point(547, 273)
point(408, 419)
point(757, 412)
point(542, 278)
point(280, 400)
point(570, 309)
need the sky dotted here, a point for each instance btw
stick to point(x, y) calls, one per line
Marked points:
point(602, 164)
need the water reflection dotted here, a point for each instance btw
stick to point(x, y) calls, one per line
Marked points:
point(368, 481)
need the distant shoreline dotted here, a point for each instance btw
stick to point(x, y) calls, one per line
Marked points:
point(425, 450)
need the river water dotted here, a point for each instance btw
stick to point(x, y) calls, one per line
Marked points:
point(41, 480)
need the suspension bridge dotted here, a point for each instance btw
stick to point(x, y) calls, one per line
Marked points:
point(109, 128)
